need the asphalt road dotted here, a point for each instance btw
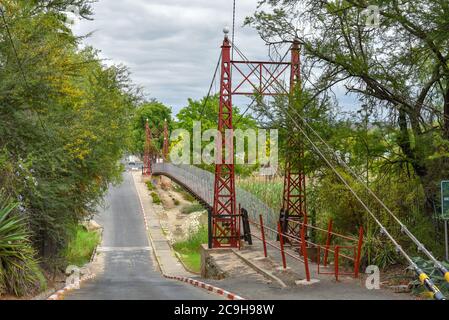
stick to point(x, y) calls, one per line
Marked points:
point(129, 267)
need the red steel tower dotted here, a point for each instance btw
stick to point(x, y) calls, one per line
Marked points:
point(294, 196)
point(254, 77)
point(147, 151)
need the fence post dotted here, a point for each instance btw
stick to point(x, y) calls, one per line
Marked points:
point(281, 241)
point(328, 241)
point(359, 253)
point(337, 252)
point(262, 229)
point(304, 251)
point(239, 227)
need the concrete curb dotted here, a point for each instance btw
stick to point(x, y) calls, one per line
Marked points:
point(193, 282)
point(263, 272)
point(59, 295)
point(208, 287)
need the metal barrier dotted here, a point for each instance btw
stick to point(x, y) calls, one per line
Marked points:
point(304, 245)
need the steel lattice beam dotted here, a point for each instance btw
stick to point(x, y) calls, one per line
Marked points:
point(261, 80)
point(224, 215)
point(294, 195)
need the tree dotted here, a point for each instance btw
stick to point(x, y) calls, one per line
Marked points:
point(65, 121)
point(156, 113)
point(205, 111)
point(400, 66)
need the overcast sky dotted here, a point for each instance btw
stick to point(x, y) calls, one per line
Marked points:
point(170, 46)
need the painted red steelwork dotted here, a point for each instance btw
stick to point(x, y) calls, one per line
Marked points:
point(224, 215)
point(225, 229)
point(294, 195)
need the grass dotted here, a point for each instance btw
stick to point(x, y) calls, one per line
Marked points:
point(81, 245)
point(155, 197)
point(269, 192)
point(195, 207)
point(187, 196)
point(189, 250)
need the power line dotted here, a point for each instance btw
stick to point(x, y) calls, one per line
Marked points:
point(233, 29)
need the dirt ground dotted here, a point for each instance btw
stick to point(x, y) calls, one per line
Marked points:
point(176, 224)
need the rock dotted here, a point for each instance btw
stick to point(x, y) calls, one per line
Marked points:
point(91, 225)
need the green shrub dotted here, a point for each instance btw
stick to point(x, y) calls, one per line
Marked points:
point(156, 199)
point(150, 186)
point(81, 246)
point(19, 269)
point(176, 202)
point(196, 207)
point(433, 273)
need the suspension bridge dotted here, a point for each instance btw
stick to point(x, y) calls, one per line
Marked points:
point(236, 215)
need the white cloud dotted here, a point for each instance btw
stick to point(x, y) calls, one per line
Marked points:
point(170, 46)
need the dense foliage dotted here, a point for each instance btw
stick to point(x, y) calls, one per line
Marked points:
point(64, 120)
point(397, 142)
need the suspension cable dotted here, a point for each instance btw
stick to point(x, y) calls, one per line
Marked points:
point(441, 268)
point(404, 228)
point(210, 88)
point(423, 277)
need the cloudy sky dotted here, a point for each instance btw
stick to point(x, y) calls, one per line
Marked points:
point(171, 46)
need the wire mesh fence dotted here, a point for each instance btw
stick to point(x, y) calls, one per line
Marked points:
point(201, 182)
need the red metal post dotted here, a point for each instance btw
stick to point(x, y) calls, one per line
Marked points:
point(294, 195)
point(281, 241)
point(224, 215)
point(262, 230)
point(328, 241)
point(304, 252)
point(359, 253)
point(147, 170)
point(165, 147)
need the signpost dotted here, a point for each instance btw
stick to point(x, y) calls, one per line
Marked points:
point(445, 212)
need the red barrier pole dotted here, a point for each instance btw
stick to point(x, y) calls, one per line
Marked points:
point(262, 230)
point(359, 253)
point(304, 252)
point(239, 227)
point(337, 250)
point(281, 241)
point(328, 241)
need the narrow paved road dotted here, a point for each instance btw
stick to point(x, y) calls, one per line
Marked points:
point(129, 268)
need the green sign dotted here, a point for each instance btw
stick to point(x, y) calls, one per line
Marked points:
point(445, 200)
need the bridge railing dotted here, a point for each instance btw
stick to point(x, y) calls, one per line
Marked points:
point(201, 182)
